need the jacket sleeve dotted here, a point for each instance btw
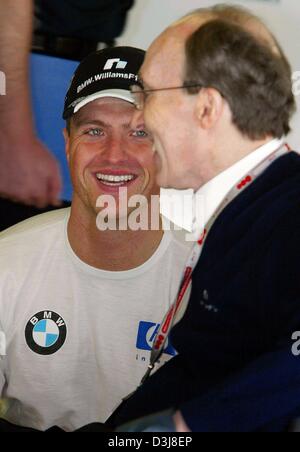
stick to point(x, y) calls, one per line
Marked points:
point(264, 396)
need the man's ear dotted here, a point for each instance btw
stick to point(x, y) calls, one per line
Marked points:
point(67, 143)
point(209, 107)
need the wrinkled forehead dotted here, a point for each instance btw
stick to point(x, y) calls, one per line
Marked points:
point(165, 58)
point(165, 61)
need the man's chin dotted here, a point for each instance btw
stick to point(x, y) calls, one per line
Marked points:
point(163, 182)
point(166, 183)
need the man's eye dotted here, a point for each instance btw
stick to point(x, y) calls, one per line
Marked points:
point(140, 134)
point(94, 132)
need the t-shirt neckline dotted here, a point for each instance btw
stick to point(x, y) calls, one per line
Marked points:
point(116, 275)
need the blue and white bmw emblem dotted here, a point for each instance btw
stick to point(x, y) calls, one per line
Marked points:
point(46, 332)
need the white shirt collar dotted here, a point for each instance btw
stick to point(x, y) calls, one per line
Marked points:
point(213, 192)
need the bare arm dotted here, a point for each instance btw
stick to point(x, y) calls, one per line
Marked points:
point(28, 172)
point(15, 44)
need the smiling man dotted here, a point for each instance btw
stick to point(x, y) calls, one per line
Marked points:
point(80, 307)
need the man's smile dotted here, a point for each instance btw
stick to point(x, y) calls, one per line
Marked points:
point(111, 181)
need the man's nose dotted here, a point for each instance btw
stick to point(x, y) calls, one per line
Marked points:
point(116, 149)
point(137, 119)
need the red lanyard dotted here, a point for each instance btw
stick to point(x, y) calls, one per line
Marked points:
point(168, 322)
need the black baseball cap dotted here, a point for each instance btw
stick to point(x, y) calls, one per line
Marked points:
point(105, 73)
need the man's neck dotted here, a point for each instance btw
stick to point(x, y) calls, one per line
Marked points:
point(226, 153)
point(237, 151)
point(110, 250)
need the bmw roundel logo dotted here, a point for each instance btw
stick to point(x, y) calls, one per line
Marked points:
point(46, 332)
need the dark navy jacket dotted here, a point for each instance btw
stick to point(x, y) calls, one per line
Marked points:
point(235, 370)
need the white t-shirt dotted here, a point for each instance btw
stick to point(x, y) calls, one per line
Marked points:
point(78, 339)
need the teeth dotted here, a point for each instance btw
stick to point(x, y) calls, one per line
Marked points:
point(115, 179)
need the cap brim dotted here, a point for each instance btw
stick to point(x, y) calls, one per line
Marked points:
point(116, 93)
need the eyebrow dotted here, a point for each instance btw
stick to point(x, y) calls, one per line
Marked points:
point(79, 122)
point(85, 121)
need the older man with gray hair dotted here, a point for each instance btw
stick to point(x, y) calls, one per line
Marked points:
point(218, 101)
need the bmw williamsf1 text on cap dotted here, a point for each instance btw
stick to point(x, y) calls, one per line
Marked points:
point(105, 73)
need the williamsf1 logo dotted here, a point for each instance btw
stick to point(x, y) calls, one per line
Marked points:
point(146, 335)
point(117, 62)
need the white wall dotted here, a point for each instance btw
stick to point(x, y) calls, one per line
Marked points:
point(149, 17)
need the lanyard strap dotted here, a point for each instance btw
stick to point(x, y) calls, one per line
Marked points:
point(168, 322)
